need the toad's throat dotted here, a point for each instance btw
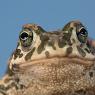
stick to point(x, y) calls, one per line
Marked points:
point(55, 60)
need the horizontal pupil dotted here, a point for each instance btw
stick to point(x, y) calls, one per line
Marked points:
point(83, 31)
point(24, 36)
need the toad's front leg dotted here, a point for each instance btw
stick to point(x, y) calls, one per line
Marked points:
point(8, 84)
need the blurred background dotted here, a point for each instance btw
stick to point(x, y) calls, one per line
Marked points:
point(50, 14)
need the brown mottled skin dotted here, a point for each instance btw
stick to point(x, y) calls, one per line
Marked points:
point(51, 63)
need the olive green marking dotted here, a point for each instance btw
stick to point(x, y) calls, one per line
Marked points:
point(92, 49)
point(69, 50)
point(61, 43)
point(80, 92)
point(47, 54)
point(41, 47)
point(40, 30)
point(87, 50)
point(17, 53)
point(2, 87)
point(51, 43)
point(44, 37)
point(28, 56)
point(65, 39)
point(2, 90)
point(67, 36)
point(81, 51)
point(20, 55)
point(73, 40)
point(66, 27)
point(70, 43)
point(10, 86)
point(91, 74)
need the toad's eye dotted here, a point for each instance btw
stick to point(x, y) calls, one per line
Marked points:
point(82, 35)
point(83, 32)
point(26, 39)
point(24, 36)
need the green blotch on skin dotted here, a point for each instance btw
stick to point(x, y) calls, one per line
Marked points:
point(69, 50)
point(47, 54)
point(73, 40)
point(61, 43)
point(65, 40)
point(20, 55)
point(91, 74)
point(3, 89)
point(40, 30)
point(80, 92)
point(81, 51)
point(91, 48)
point(17, 53)
point(51, 43)
point(28, 56)
point(87, 50)
point(41, 47)
point(66, 27)
point(67, 36)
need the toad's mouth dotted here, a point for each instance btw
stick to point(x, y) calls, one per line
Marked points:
point(53, 60)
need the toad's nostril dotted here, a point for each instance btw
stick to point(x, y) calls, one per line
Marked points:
point(15, 67)
point(24, 36)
